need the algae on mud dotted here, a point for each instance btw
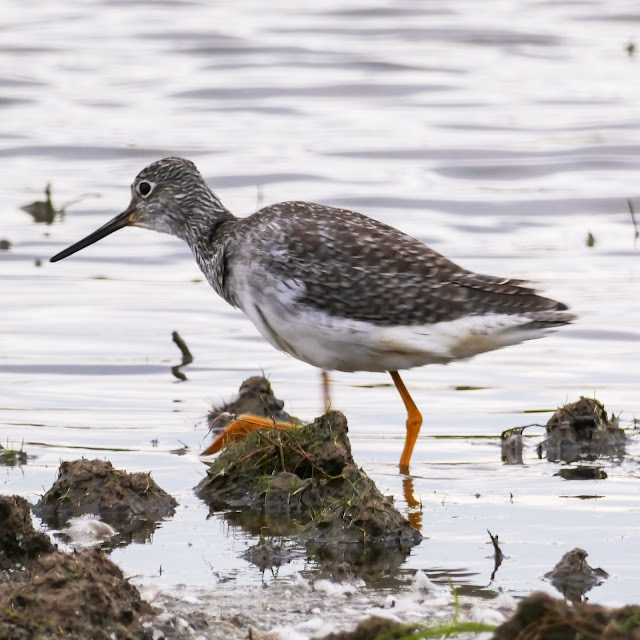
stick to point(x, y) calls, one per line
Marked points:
point(13, 457)
point(308, 475)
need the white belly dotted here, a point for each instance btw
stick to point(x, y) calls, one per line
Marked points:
point(332, 343)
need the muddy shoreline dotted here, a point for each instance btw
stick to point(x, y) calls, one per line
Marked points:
point(312, 501)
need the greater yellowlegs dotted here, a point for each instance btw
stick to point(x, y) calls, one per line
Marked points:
point(332, 287)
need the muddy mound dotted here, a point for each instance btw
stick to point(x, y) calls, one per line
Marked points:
point(19, 541)
point(255, 397)
point(83, 595)
point(57, 595)
point(582, 431)
point(131, 502)
point(573, 577)
point(541, 617)
point(308, 475)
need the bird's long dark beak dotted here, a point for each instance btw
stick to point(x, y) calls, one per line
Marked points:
point(122, 220)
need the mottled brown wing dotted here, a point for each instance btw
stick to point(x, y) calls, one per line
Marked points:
point(358, 268)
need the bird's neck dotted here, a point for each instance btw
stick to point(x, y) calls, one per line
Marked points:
point(207, 236)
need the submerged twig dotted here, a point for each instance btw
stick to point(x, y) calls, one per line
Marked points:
point(498, 556)
point(633, 219)
point(187, 358)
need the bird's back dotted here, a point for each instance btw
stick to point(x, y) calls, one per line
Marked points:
point(354, 267)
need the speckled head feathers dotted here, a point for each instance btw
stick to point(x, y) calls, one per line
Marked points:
point(170, 196)
point(170, 171)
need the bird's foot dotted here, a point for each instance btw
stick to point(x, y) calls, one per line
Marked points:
point(239, 428)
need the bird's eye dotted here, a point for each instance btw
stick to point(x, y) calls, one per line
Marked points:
point(144, 188)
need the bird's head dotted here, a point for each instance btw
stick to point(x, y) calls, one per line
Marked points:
point(169, 196)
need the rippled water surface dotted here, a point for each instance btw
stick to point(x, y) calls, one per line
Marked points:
point(501, 134)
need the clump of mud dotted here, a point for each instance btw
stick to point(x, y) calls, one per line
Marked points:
point(582, 431)
point(308, 476)
point(375, 627)
point(131, 502)
point(573, 577)
point(47, 594)
point(541, 617)
point(19, 541)
point(512, 446)
point(255, 397)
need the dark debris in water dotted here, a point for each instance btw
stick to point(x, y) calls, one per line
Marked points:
point(13, 457)
point(308, 475)
point(131, 502)
point(512, 446)
point(582, 431)
point(573, 577)
point(498, 556)
point(187, 358)
point(47, 594)
point(541, 617)
point(582, 473)
point(44, 211)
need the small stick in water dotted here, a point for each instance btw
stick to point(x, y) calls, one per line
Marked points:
point(633, 218)
point(497, 556)
point(187, 358)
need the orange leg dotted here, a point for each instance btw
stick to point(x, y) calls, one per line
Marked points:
point(326, 383)
point(239, 428)
point(414, 422)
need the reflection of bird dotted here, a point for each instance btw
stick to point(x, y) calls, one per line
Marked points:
point(332, 287)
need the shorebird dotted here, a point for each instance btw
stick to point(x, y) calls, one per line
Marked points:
point(332, 287)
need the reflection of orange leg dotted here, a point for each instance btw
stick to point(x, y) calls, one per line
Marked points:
point(414, 422)
point(239, 428)
point(326, 383)
point(415, 514)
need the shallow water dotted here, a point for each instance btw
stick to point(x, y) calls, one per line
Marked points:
point(500, 134)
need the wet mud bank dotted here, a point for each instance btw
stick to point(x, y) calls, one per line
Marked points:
point(300, 493)
point(541, 617)
point(45, 593)
point(305, 483)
